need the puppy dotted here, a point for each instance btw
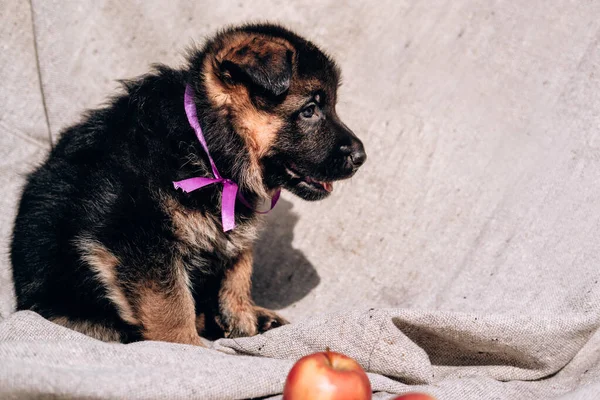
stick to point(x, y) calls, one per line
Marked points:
point(104, 243)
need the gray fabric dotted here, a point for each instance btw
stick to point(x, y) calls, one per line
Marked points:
point(24, 135)
point(462, 260)
point(450, 355)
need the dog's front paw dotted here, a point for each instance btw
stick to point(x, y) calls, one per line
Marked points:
point(249, 322)
point(242, 322)
point(267, 319)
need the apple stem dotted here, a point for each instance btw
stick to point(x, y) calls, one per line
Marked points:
point(328, 355)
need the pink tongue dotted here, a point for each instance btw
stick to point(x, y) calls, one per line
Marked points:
point(328, 186)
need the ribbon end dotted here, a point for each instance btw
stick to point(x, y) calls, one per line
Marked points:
point(227, 228)
point(228, 205)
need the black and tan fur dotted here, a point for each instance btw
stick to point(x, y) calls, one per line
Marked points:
point(105, 245)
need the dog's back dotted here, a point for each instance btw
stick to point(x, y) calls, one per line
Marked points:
point(93, 180)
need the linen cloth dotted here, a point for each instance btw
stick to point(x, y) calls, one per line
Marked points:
point(462, 260)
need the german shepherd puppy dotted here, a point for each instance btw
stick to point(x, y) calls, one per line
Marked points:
point(105, 245)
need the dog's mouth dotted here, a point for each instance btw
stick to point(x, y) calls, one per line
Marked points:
point(308, 182)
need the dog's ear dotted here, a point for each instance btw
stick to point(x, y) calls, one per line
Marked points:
point(260, 63)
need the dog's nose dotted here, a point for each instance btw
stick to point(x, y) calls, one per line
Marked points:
point(358, 157)
point(355, 153)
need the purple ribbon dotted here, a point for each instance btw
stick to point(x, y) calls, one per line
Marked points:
point(230, 188)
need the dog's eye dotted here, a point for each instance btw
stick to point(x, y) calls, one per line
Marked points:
point(308, 112)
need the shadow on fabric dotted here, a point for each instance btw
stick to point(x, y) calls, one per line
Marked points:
point(282, 274)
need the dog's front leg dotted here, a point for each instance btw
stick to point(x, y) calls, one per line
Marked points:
point(238, 314)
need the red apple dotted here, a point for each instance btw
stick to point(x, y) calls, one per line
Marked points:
point(327, 376)
point(414, 396)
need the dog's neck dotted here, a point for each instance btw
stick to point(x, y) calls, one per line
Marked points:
point(227, 147)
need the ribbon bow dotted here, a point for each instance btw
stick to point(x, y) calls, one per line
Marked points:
point(230, 188)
